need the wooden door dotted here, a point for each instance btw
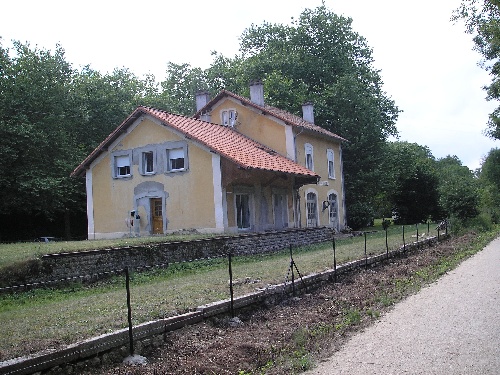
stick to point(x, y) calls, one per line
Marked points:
point(157, 215)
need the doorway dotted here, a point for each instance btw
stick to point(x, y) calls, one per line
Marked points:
point(157, 215)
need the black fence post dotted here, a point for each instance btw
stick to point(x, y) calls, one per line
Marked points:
point(129, 308)
point(404, 243)
point(293, 274)
point(231, 283)
point(366, 256)
point(334, 260)
point(416, 226)
point(386, 244)
point(428, 228)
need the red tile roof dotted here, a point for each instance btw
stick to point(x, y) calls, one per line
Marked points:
point(280, 114)
point(223, 140)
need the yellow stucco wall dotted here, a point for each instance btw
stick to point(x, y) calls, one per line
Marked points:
point(326, 184)
point(254, 125)
point(190, 201)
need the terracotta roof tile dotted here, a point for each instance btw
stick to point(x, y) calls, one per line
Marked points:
point(283, 115)
point(235, 146)
point(223, 140)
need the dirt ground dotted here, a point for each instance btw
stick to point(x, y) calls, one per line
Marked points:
point(289, 337)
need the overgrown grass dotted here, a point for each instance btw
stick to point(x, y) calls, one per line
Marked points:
point(307, 340)
point(50, 318)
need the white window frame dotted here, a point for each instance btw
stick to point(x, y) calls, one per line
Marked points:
point(309, 151)
point(312, 210)
point(144, 163)
point(333, 204)
point(119, 160)
point(228, 117)
point(330, 157)
point(168, 157)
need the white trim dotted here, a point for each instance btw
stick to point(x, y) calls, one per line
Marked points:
point(90, 205)
point(290, 143)
point(309, 150)
point(330, 152)
point(311, 190)
point(344, 213)
point(217, 183)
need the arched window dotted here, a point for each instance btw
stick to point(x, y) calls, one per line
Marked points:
point(333, 210)
point(312, 209)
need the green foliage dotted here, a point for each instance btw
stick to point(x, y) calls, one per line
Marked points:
point(411, 182)
point(489, 178)
point(51, 117)
point(483, 21)
point(458, 189)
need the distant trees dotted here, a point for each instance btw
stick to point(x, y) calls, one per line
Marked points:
point(51, 118)
point(411, 182)
point(482, 19)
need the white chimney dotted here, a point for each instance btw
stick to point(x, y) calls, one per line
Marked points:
point(202, 98)
point(308, 112)
point(257, 92)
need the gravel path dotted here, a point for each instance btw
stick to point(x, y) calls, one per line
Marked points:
point(450, 327)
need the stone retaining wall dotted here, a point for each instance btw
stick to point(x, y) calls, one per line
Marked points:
point(98, 264)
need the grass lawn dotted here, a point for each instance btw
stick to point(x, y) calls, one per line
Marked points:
point(45, 318)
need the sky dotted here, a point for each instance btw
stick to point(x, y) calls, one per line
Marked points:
point(427, 62)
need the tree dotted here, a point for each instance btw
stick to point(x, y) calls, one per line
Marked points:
point(458, 189)
point(51, 118)
point(411, 181)
point(489, 178)
point(483, 20)
point(318, 58)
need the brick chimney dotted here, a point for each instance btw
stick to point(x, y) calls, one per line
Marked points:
point(202, 98)
point(308, 112)
point(257, 92)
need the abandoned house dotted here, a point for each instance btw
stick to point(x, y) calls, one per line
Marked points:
point(237, 165)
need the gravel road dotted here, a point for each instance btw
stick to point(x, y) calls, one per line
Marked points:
point(450, 327)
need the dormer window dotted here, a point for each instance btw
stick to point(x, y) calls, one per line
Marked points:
point(229, 117)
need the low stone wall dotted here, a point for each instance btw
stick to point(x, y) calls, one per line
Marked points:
point(113, 347)
point(98, 264)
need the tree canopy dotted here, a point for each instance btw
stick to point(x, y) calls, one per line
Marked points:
point(51, 117)
point(320, 59)
point(482, 19)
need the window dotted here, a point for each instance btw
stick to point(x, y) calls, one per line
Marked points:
point(333, 210)
point(312, 209)
point(309, 156)
point(331, 163)
point(229, 117)
point(243, 211)
point(122, 166)
point(148, 164)
point(175, 159)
